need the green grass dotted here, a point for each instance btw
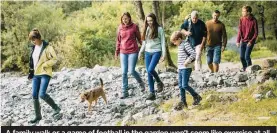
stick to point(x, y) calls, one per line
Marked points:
point(243, 112)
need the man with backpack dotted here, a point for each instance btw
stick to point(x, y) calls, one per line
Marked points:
point(216, 41)
point(196, 32)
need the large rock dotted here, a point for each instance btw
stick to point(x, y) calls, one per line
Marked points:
point(267, 63)
point(253, 68)
point(241, 77)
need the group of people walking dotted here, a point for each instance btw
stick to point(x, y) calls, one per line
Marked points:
point(199, 35)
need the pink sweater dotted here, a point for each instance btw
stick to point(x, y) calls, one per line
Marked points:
point(127, 37)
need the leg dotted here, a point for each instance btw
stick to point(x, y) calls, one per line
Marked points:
point(247, 55)
point(89, 106)
point(217, 58)
point(148, 57)
point(35, 91)
point(44, 84)
point(104, 97)
point(242, 55)
point(198, 58)
point(132, 61)
point(180, 82)
point(35, 86)
point(151, 68)
point(210, 55)
point(124, 68)
point(95, 101)
point(185, 81)
point(183, 102)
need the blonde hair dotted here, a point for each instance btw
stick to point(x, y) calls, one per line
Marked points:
point(176, 35)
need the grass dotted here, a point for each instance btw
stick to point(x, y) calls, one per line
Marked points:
point(243, 112)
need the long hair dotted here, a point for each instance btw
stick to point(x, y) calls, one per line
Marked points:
point(128, 15)
point(154, 31)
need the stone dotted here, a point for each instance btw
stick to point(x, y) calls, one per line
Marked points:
point(128, 120)
point(273, 112)
point(267, 63)
point(270, 94)
point(241, 77)
point(253, 68)
point(257, 96)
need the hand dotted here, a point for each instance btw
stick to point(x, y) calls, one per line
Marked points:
point(201, 47)
point(238, 44)
point(249, 44)
point(162, 59)
point(139, 56)
point(187, 33)
point(186, 63)
point(223, 48)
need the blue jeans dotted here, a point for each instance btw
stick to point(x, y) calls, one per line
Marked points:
point(245, 53)
point(39, 86)
point(151, 61)
point(128, 62)
point(184, 75)
point(213, 54)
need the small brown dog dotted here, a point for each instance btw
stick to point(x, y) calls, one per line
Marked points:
point(93, 95)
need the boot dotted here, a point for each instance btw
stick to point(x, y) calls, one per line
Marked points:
point(37, 112)
point(51, 102)
point(197, 99)
point(160, 87)
point(181, 105)
point(151, 97)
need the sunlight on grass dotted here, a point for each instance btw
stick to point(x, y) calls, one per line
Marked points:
point(245, 111)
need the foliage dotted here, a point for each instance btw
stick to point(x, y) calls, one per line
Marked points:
point(19, 19)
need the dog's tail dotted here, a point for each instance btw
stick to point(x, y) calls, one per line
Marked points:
point(101, 81)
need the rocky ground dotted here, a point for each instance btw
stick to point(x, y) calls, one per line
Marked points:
point(66, 86)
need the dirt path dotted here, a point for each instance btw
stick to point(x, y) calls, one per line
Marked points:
point(232, 65)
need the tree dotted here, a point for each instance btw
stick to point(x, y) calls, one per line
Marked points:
point(26, 16)
point(140, 11)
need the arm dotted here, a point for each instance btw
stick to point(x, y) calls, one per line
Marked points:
point(224, 37)
point(239, 32)
point(204, 36)
point(52, 56)
point(255, 32)
point(142, 49)
point(192, 53)
point(184, 28)
point(138, 35)
point(117, 47)
point(162, 42)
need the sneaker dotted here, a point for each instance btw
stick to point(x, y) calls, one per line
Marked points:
point(242, 70)
point(197, 99)
point(160, 86)
point(151, 97)
point(181, 105)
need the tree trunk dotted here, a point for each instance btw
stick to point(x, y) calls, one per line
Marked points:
point(155, 8)
point(140, 12)
point(263, 31)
